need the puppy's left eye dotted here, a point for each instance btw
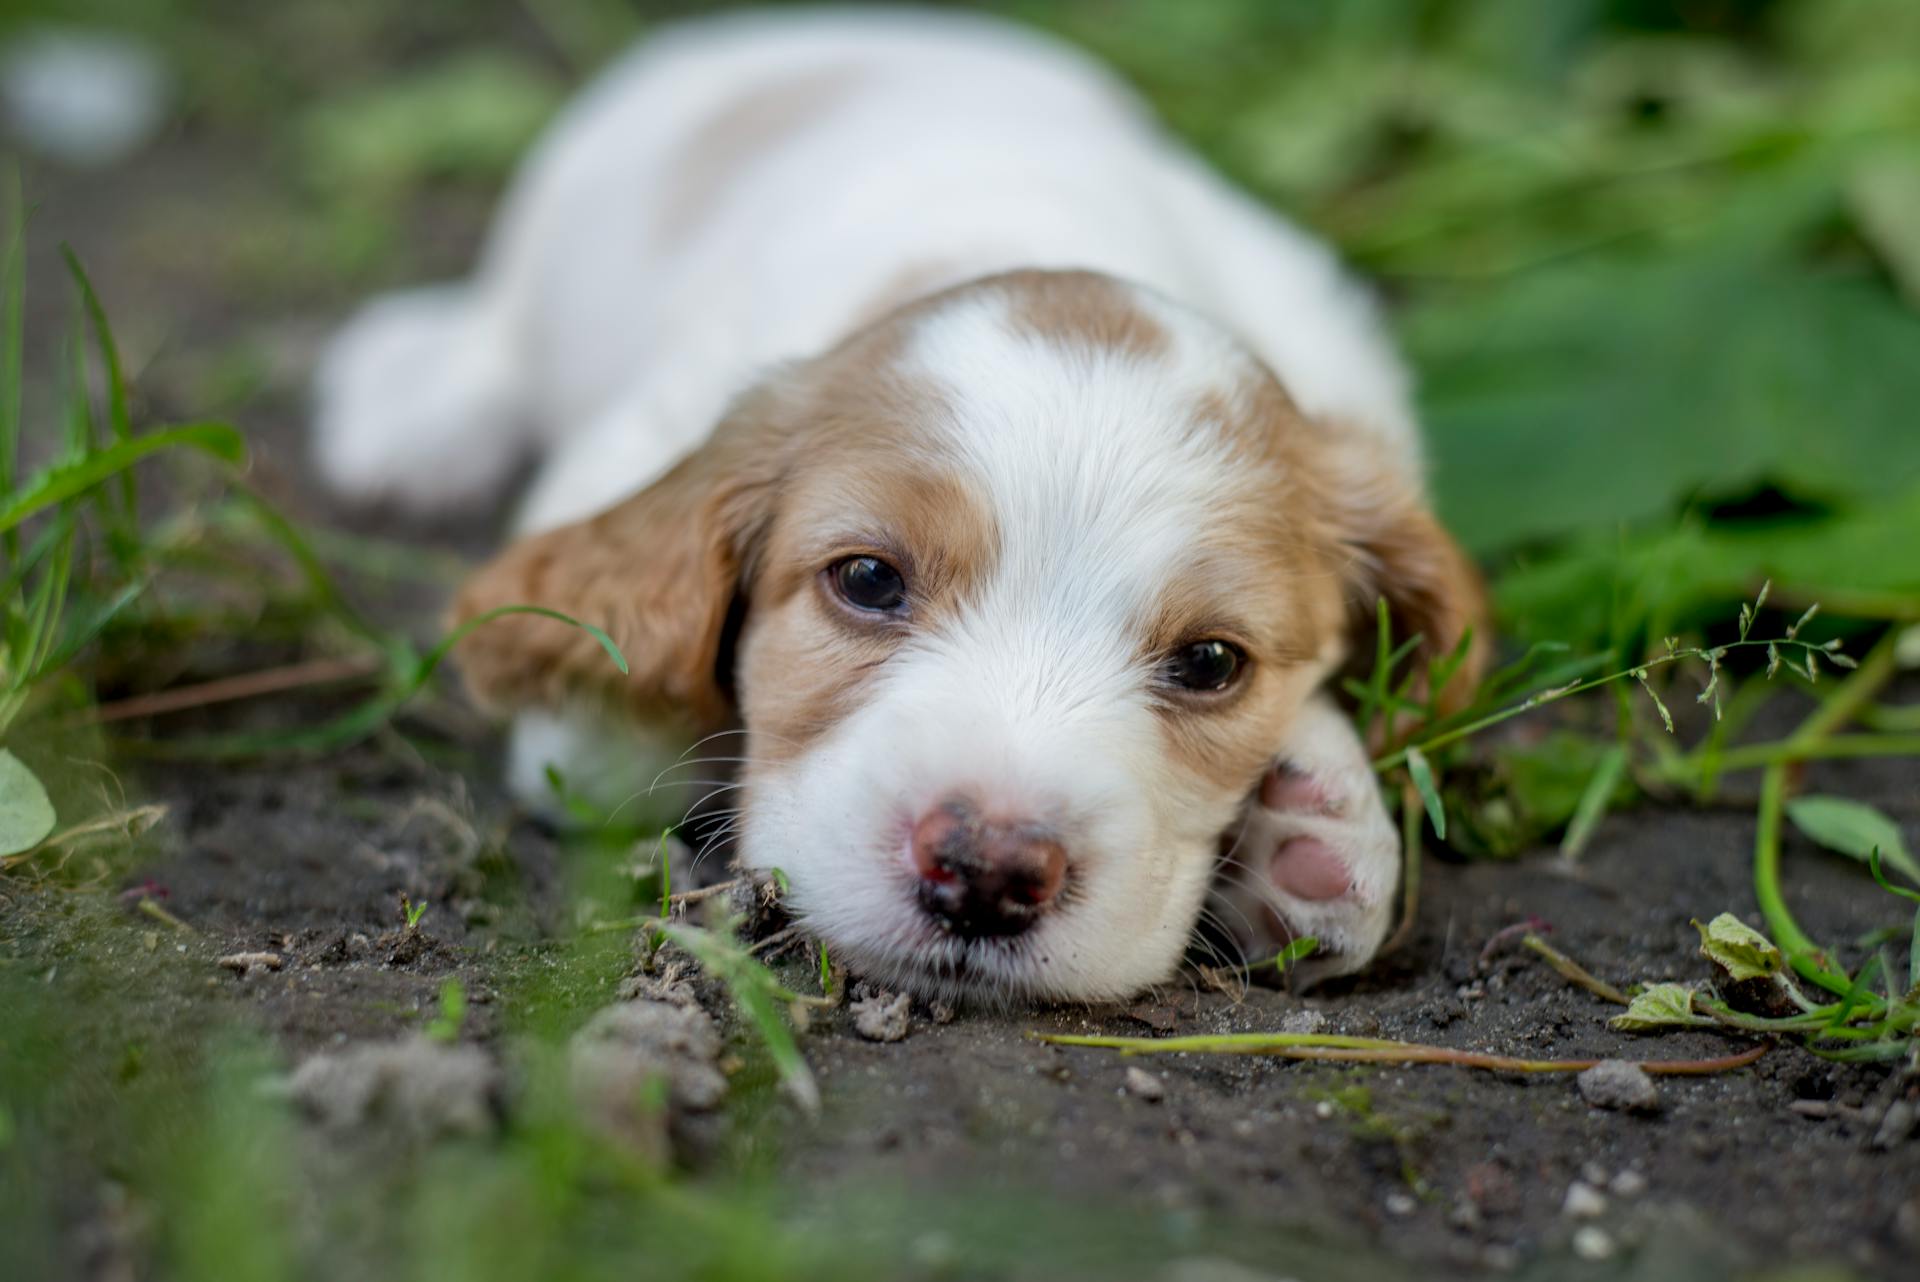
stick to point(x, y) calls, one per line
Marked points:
point(868, 583)
point(1204, 665)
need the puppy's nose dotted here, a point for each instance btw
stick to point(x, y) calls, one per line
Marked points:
point(985, 876)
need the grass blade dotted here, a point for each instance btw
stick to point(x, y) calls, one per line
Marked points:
point(1423, 780)
point(121, 523)
point(1593, 801)
point(63, 481)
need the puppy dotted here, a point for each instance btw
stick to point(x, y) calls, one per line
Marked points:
point(908, 403)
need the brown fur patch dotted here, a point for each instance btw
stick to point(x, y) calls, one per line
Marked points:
point(830, 460)
point(1082, 309)
point(738, 135)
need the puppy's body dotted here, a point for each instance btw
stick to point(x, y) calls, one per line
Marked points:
point(751, 190)
point(1197, 430)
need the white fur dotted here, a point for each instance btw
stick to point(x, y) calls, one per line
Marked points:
point(959, 147)
point(959, 142)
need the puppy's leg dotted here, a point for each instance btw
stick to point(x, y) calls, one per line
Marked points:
point(641, 774)
point(1316, 853)
point(419, 400)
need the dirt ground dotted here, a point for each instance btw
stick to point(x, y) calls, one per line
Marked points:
point(1292, 1170)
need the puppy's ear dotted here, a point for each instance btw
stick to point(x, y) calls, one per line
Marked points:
point(1391, 546)
point(660, 572)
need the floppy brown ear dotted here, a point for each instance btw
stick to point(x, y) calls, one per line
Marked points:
point(1394, 548)
point(659, 572)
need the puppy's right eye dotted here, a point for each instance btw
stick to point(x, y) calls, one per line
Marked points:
point(868, 583)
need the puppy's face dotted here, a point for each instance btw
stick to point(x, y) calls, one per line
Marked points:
point(1016, 594)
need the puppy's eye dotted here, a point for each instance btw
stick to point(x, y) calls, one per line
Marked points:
point(868, 583)
point(1204, 665)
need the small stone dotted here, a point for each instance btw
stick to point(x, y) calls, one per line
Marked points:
point(1628, 1184)
point(1464, 1215)
point(1896, 1124)
point(1401, 1204)
point(1594, 1174)
point(1584, 1202)
point(1593, 1243)
point(417, 1088)
point(247, 965)
point(1143, 1085)
point(1618, 1084)
point(881, 1016)
point(1303, 1022)
point(1323, 1110)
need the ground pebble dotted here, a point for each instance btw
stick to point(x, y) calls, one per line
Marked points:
point(1584, 1202)
point(1591, 1242)
point(1615, 1083)
point(881, 1016)
point(1628, 1184)
point(1145, 1086)
point(418, 1087)
point(631, 1049)
point(1900, 1120)
point(1401, 1204)
point(1303, 1021)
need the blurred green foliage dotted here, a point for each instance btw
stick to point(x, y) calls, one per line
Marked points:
point(1654, 259)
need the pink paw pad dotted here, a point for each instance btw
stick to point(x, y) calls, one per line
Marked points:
point(1307, 868)
point(1291, 790)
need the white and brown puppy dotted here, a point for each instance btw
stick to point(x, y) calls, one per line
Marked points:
point(909, 400)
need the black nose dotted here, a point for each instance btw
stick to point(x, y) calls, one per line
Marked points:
point(985, 877)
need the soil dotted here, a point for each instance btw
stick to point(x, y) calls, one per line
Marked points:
point(1290, 1169)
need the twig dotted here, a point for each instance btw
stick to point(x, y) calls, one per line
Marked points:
point(707, 892)
point(152, 908)
point(1370, 1050)
point(247, 685)
point(773, 941)
point(1573, 972)
point(676, 901)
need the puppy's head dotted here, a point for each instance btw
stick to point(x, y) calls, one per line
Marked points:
point(1015, 594)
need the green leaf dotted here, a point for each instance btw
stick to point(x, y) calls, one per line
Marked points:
point(1744, 952)
point(1657, 1007)
point(1883, 194)
point(1664, 378)
point(1854, 829)
point(1296, 950)
point(26, 812)
point(64, 480)
point(1423, 781)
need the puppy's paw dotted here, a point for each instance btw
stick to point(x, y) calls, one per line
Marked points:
point(1316, 854)
point(416, 402)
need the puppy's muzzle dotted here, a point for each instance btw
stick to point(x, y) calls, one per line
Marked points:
point(982, 876)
